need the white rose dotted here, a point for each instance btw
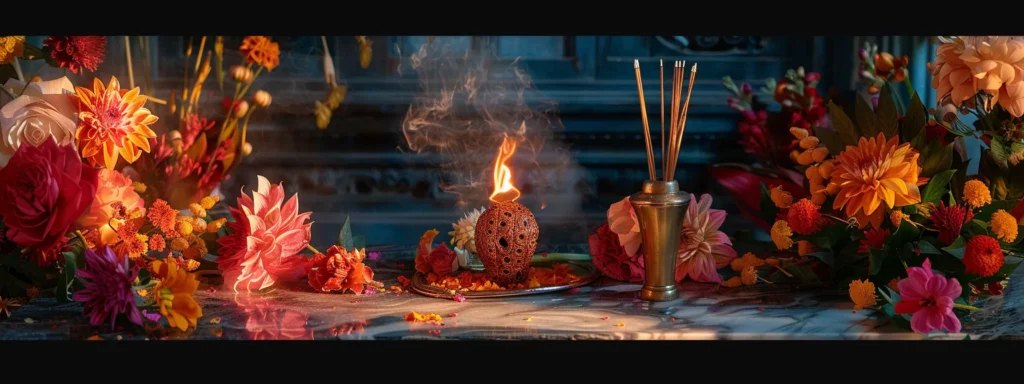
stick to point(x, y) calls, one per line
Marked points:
point(44, 110)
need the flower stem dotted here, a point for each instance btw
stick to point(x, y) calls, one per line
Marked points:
point(310, 247)
point(965, 307)
point(81, 237)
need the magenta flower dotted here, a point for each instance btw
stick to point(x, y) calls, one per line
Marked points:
point(929, 297)
point(108, 287)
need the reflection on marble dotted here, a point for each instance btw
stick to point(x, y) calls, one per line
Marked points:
point(603, 310)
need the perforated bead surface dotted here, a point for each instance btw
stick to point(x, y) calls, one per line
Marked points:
point(506, 237)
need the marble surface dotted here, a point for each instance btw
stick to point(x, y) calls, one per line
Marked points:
point(603, 310)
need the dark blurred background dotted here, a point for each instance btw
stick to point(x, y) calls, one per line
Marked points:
point(360, 166)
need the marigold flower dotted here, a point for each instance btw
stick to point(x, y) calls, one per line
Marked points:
point(752, 260)
point(983, 256)
point(1004, 226)
point(781, 198)
point(208, 202)
point(897, 217)
point(894, 284)
point(804, 218)
point(732, 282)
point(261, 51)
point(862, 292)
point(157, 243)
point(192, 265)
point(112, 122)
point(183, 227)
point(132, 246)
point(11, 47)
point(77, 52)
point(261, 98)
point(782, 235)
point(976, 194)
point(198, 226)
point(749, 275)
point(197, 210)
point(874, 175)
point(162, 216)
point(805, 247)
point(737, 264)
point(179, 244)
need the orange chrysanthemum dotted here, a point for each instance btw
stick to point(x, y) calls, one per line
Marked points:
point(976, 193)
point(782, 236)
point(1004, 226)
point(112, 121)
point(261, 51)
point(874, 172)
point(157, 243)
point(897, 218)
point(11, 47)
point(983, 256)
point(803, 217)
point(162, 215)
point(781, 198)
point(862, 293)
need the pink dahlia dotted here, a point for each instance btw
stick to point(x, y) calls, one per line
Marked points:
point(702, 247)
point(265, 239)
point(623, 222)
point(108, 287)
point(929, 297)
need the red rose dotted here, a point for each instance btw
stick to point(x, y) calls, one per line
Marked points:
point(611, 259)
point(442, 260)
point(43, 190)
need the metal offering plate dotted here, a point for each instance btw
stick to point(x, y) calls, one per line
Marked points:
point(580, 264)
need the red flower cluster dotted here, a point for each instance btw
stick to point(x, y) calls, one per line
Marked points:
point(874, 238)
point(804, 217)
point(950, 220)
point(339, 270)
point(77, 52)
point(611, 259)
point(753, 133)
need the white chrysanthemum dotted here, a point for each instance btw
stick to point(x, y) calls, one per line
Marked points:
point(462, 235)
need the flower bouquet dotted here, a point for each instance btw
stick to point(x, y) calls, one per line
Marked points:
point(764, 135)
point(894, 214)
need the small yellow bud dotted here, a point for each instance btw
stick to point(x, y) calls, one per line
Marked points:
point(246, 149)
point(208, 202)
point(809, 142)
point(819, 154)
point(183, 227)
point(799, 133)
point(198, 225)
point(819, 197)
point(179, 244)
point(215, 225)
point(241, 108)
point(812, 173)
point(805, 158)
point(197, 210)
point(139, 187)
point(261, 99)
point(832, 188)
point(825, 169)
point(241, 74)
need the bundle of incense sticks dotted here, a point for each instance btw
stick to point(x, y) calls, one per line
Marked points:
point(677, 118)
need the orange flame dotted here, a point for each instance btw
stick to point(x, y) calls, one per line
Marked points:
point(503, 188)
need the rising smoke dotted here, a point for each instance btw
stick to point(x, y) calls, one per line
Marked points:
point(470, 102)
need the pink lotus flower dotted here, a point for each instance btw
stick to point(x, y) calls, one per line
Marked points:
point(929, 297)
point(265, 240)
point(623, 222)
point(702, 247)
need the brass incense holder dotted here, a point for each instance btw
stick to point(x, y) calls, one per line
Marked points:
point(659, 207)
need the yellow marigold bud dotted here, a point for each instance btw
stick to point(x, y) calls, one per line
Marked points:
point(825, 169)
point(197, 210)
point(733, 282)
point(819, 154)
point(215, 225)
point(897, 217)
point(139, 187)
point(192, 265)
point(832, 189)
point(805, 158)
point(781, 198)
point(1004, 226)
point(782, 235)
point(809, 142)
point(804, 248)
point(179, 244)
point(819, 197)
point(208, 202)
point(241, 108)
point(799, 133)
point(737, 264)
point(862, 293)
point(246, 149)
point(793, 155)
point(241, 74)
point(199, 226)
point(261, 98)
point(749, 275)
point(183, 227)
point(976, 193)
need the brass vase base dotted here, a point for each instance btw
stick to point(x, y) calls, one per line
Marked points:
point(660, 207)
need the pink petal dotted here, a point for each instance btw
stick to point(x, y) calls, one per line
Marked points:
point(291, 242)
point(919, 322)
point(951, 323)
point(263, 185)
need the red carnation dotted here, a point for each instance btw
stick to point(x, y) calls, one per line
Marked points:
point(611, 259)
point(874, 238)
point(804, 218)
point(76, 52)
point(442, 260)
point(339, 270)
point(950, 220)
point(43, 190)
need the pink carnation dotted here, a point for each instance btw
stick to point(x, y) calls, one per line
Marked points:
point(265, 239)
point(611, 259)
point(623, 222)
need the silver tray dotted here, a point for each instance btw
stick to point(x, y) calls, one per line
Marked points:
point(580, 267)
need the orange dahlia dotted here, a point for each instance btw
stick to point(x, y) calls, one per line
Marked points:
point(874, 172)
point(112, 121)
point(261, 51)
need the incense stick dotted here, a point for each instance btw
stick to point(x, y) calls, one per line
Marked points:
point(643, 112)
point(682, 125)
point(661, 81)
point(128, 58)
point(676, 100)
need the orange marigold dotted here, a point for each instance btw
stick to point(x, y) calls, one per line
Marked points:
point(781, 198)
point(209, 201)
point(863, 294)
point(111, 122)
point(179, 244)
point(752, 260)
point(162, 216)
point(976, 193)
point(261, 51)
point(1004, 226)
point(132, 247)
point(749, 275)
point(733, 282)
point(197, 210)
point(897, 217)
point(873, 173)
point(983, 256)
point(737, 264)
point(157, 243)
point(782, 235)
point(805, 247)
point(804, 218)
point(183, 227)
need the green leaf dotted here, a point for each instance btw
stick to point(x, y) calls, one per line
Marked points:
point(927, 248)
point(915, 119)
point(937, 186)
point(345, 236)
point(985, 213)
point(876, 257)
point(957, 248)
point(831, 139)
point(830, 237)
point(842, 124)
point(768, 208)
point(32, 52)
point(906, 233)
point(826, 257)
point(887, 118)
point(66, 282)
point(1000, 153)
point(1000, 275)
point(965, 289)
point(359, 242)
point(960, 177)
point(976, 227)
point(866, 119)
point(1017, 148)
point(936, 158)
